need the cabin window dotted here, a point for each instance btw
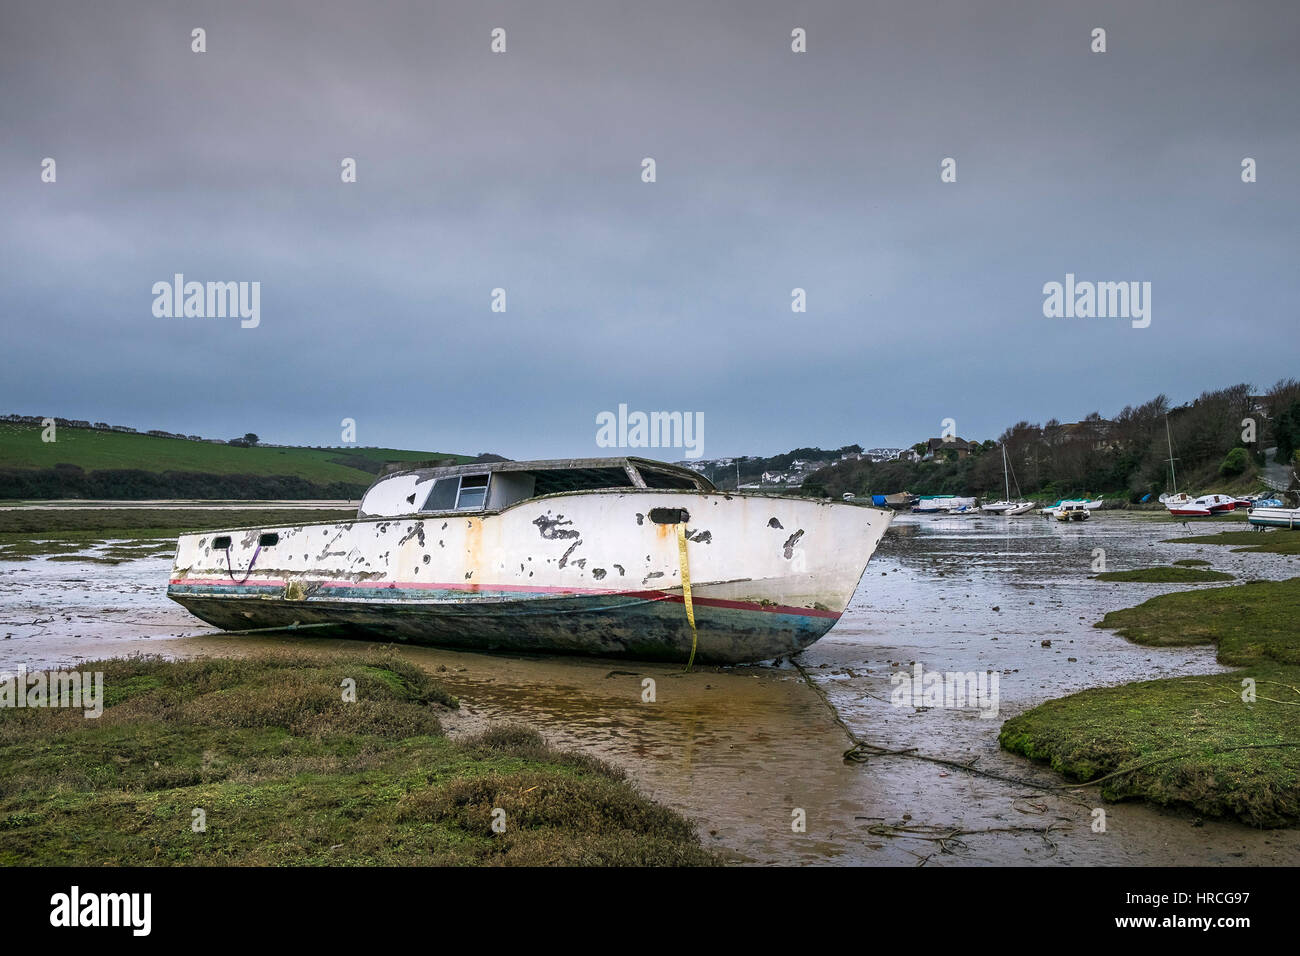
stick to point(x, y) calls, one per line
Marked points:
point(473, 492)
point(442, 496)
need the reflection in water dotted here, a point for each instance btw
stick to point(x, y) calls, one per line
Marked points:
point(741, 749)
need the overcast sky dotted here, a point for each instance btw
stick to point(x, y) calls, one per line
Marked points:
point(522, 170)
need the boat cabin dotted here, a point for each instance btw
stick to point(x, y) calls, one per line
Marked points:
point(494, 485)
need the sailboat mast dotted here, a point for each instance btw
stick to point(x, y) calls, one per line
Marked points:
point(1169, 438)
point(1005, 480)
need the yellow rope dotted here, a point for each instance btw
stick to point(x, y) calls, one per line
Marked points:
point(686, 588)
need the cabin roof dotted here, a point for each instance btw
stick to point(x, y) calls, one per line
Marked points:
point(572, 474)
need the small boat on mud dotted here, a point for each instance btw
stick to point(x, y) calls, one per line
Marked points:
point(1185, 506)
point(1051, 511)
point(941, 504)
point(602, 556)
point(1182, 505)
point(1072, 511)
point(901, 501)
point(1265, 517)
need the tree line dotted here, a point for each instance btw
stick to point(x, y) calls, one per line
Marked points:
point(1219, 436)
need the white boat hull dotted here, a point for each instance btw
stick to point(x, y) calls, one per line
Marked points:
point(1275, 518)
point(585, 572)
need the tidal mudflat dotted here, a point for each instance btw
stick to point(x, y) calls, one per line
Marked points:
point(747, 751)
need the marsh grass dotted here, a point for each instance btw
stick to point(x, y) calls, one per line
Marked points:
point(1277, 541)
point(287, 772)
point(1166, 575)
point(1208, 749)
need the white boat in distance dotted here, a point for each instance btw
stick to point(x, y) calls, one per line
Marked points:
point(582, 556)
point(1185, 506)
point(1072, 511)
point(1182, 505)
point(940, 504)
point(1007, 506)
point(1053, 510)
point(1265, 517)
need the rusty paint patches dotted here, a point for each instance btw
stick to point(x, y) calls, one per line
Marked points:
point(598, 573)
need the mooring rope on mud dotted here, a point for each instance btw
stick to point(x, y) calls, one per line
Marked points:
point(295, 626)
point(863, 749)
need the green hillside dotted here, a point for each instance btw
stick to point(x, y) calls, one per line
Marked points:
point(23, 454)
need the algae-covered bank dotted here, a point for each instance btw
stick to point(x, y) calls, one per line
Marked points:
point(1223, 745)
point(283, 759)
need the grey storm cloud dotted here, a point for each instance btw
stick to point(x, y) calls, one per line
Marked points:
point(522, 170)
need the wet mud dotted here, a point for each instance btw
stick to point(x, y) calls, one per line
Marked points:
point(749, 752)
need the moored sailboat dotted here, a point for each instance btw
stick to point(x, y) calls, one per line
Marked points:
point(1006, 506)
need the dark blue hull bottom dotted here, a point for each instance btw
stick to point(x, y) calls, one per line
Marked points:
point(604, 625)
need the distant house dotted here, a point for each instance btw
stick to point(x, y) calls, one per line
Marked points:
point(908, 454)
point(807, 464)
point(936, 447)
point(773, 478)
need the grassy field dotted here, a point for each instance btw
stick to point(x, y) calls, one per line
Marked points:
point(286, 772)
point(141, 532)
point(154, 522)
point(21, 447)
point(1190, 742)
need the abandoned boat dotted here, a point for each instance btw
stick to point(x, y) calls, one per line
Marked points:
point(608, 556)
